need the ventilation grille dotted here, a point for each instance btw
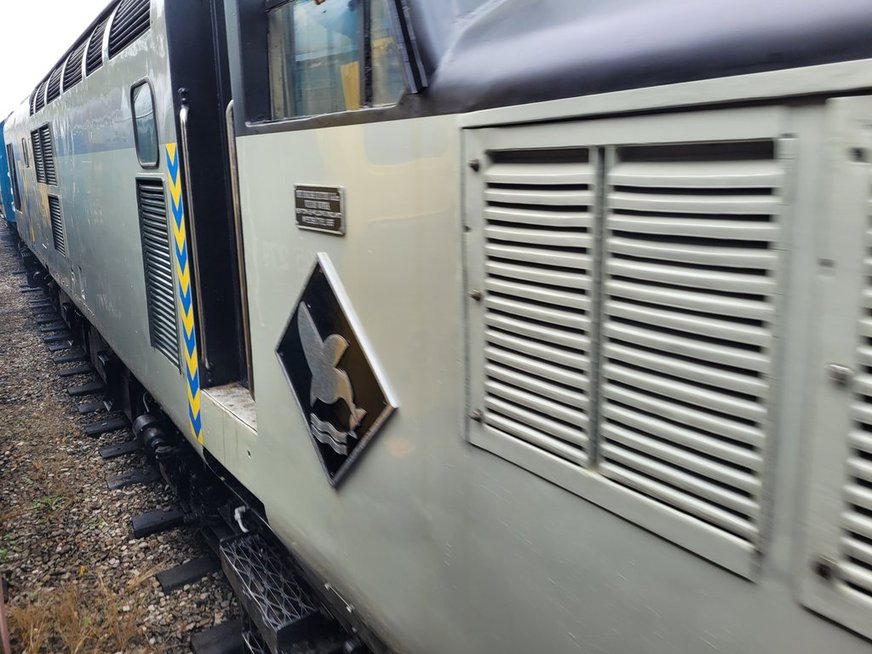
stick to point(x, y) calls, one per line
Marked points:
point(855, 567)
point(94, 56)
point(48, 155)
point(691, 257)
point(54, 85)
point(73, 69)
point(57, 224)
point(38, 159)
point(537, 304)
point(132, 20)
point(157, 261)
point(39, 103)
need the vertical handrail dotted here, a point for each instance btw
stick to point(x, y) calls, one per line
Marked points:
point(240, 242)
point(191, 225)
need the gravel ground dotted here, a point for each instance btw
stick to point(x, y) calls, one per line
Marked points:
point(78, 582)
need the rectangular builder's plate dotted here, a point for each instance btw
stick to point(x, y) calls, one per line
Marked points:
point(320, 208)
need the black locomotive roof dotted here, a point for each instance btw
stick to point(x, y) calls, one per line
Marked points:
point(489, 53)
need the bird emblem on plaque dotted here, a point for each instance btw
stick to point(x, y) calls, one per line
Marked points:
point(332, 375)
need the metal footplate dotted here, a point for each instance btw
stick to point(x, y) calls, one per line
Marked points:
point(287, 617)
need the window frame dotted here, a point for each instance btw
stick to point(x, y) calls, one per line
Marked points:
point(413, 80)
point(133, 88)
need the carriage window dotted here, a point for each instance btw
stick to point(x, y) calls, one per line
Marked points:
point(144, 126)
point(317, 57)
point(25, 153)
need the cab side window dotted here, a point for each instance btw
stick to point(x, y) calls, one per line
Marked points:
point(144, 125)
point(328, 56)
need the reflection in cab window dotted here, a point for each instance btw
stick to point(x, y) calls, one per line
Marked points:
point(387, 78)
point(144, 127)
point(317, 55)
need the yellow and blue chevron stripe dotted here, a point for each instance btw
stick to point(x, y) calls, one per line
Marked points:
point(186, 304)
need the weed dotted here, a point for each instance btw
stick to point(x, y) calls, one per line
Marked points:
point(76, 618)
point(47, 503)
point(4, 555)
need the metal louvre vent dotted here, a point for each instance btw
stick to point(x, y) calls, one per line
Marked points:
point(54, 85)
point(132, 20)
point(689, 288)
point(94, 55)
point(537, 230)
point(73, 68)
point(855, 566)
point(157, 262)
point(39, 103)
point(38, 160)
point(48, 155)
point(57, 224)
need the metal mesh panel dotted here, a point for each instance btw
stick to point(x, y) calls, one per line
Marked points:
point(158, 267)
point(48, 155)
point(94, 56)
point(57, 224)
point(132, 20)
point(691, 255)
point(39, 102)
point(54, 85)
point(855, 565)
point(73, 69)
point(38, 160)
point(538, 239)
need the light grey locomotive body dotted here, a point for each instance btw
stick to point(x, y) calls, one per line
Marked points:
point(607, 265)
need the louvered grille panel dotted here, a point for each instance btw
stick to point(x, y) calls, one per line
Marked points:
point(73, 68)
point(38, 160)
point(57, 224)
point(94, 56)
point(54, 85)
point(40, 97)
point(132, 20)
point(48, 155)
point(689, 298)
point(157, 262)
point(855, 566)
point(537, 228)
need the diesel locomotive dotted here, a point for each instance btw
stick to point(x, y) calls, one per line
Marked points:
point(505, 326)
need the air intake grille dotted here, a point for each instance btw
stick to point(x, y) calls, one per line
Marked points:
point(48, 155)
point(689, 299)
point(38, 159)
point(94, 56)
point(855, 567)
point(132, 20)
point(73, 69)
point(54, 85)
point(57, 224)
point(157, 261)
point(537, 234)
point(39, 103)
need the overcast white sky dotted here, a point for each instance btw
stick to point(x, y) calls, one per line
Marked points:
point(33, 36)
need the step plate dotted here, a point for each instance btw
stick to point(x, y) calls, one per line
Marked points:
point(282, 610)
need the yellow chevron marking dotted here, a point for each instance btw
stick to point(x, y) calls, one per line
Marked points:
point(184, 276)
point(194, 402)
point(188, 319)
point(184, 280)
point(179, 233)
